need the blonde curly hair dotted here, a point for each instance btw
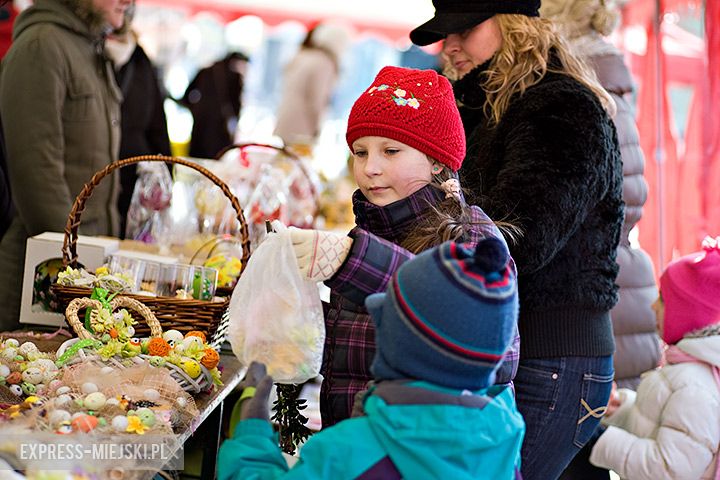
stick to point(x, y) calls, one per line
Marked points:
point(523, 60)
point(579, 17)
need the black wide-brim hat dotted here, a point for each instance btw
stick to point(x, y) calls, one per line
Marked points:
point(455, 16)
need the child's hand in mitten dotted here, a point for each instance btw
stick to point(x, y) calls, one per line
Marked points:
point(614, 402)
point(319, 254)
point(257, 385)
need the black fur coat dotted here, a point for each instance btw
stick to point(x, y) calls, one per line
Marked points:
point(552, 167)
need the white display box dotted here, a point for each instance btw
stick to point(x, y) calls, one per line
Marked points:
point(43, 260)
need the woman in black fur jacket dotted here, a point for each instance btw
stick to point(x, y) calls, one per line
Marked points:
point(543, 155)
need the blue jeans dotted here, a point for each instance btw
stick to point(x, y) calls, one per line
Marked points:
point(561, 400)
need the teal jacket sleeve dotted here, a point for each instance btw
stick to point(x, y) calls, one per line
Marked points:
point(344, 451)
point(252, 454)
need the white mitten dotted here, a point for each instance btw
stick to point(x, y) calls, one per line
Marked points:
point(319, 254)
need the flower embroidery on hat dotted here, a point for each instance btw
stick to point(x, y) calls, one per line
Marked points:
point(399, 96)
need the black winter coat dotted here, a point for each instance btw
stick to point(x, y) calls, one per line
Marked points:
point(552, 167)
point(144, 127)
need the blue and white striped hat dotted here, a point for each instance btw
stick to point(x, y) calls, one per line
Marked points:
point(448, 316)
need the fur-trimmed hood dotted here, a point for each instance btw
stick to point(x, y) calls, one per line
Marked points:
point(77, 15)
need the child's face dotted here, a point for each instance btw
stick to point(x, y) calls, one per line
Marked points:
point(387, 170)
point(659, 309)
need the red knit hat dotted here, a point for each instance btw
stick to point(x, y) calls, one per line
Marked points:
point(690, 287)
point(415, 107)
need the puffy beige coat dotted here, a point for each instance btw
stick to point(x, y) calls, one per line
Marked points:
point(670, 429)
point(308, 84)
point(60, 108)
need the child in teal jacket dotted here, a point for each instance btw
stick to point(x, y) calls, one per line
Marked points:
point(442, 328)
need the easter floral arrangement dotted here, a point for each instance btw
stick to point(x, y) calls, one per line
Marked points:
point(188, 358)
point(79, 277)
point(94, 399)
point(24, 370)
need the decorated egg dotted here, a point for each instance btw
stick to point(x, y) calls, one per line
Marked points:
point(64, 428)
point(84, 423)
point(11, 343)
point(95, 401)
point(41, 389)
point(62, 390)
point(4, 370)
point(54, 385)
point(181, 402)
point(59, 416)
point(10, 353)
point(46, 364)
point(16, 390)
point(77, 415)
point(179, 348)
point(32, 356)
point(130, 331)
point(197, 333)
point(190, 341)
point(157, 361)
point(113, 402)
point(119, 423)
point(26, 348)
point(14, 378)
point(62, 400)
point(192, 368)
point(88, 387)
point(172, 337)
point(147, 416)
point(28, 388)
point(33, 375)
point(152, 395)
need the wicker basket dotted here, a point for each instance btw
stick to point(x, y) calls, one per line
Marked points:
point(172, 313)
point(192, 385)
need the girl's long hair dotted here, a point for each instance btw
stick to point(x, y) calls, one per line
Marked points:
point(525, 57)
point(451, 219)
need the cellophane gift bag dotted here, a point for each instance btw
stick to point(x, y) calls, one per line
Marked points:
point(276, 316)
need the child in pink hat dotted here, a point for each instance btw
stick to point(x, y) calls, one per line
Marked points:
point(670, 428)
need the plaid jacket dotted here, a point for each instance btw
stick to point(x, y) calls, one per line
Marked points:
point(375, 256)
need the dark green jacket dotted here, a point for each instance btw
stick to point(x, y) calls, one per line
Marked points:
point(61, 117)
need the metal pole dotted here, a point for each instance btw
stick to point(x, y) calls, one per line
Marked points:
point(659, 143)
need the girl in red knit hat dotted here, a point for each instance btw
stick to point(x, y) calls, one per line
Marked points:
point(670, 428)
point(407, 143)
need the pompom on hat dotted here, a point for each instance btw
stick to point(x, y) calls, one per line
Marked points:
point(448, 317)
point(690, 289)
point(415, 107)
point(457, 16)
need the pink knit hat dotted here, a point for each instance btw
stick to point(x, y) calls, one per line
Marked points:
point(690, 289)
point(415, 107)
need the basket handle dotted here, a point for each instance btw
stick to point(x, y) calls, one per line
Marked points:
point(71, 313)
point(69, 248)
point(285, 151)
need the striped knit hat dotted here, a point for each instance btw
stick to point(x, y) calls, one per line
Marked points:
point(415, 107)
point(448, 316)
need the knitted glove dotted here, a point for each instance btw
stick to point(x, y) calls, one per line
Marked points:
point(319, 254)
point(256, 392)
